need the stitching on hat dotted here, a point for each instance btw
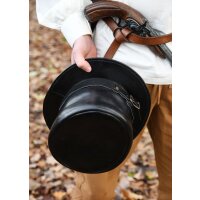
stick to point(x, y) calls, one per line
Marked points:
point(128, 101)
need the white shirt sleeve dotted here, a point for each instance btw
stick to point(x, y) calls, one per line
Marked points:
point(64, 15)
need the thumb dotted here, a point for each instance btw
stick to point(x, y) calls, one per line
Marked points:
point(81, 62)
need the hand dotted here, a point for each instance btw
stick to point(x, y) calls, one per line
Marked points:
point(83, 48)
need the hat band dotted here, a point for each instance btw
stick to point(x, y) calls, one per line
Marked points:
point(131, 102)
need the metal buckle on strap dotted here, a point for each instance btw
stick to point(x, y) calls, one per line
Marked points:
point(135, 103)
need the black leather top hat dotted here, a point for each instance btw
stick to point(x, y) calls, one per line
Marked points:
point(93, 117)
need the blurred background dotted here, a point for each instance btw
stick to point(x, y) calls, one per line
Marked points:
point(49, 56)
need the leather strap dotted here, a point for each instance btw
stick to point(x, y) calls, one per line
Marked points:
point(126, 35)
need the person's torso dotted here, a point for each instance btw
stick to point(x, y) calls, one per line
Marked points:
point(153, 69)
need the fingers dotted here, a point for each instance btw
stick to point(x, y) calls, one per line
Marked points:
point(72, 59)
point(79, 59)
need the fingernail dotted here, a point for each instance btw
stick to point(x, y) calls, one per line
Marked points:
point(89, 69)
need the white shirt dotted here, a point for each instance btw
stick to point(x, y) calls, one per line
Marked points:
point(67, 16)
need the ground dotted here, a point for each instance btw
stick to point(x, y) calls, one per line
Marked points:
point(49, 56)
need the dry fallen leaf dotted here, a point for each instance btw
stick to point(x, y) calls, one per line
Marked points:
point(35, 157)
point(59, 195)
point(151, 174)
point(130, 195)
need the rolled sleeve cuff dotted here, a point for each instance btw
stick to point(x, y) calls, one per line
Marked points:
point(75, 26)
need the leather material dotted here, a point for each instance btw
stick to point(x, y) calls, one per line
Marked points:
point(93, 117)
point(105, 9)
point(126, 35)
point(95, 124)
point(129, 36)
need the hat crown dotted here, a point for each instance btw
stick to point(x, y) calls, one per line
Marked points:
point(93, 117)
point(93, 107)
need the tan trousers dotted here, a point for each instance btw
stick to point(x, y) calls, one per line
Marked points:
point(102, 186)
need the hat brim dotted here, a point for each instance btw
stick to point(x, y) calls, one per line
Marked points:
point(101, 68)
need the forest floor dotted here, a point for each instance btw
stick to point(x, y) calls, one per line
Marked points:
point(49, 56)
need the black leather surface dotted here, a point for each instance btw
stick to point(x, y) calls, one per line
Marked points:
point(93, 130)
point(94, 117)
point(101, 68)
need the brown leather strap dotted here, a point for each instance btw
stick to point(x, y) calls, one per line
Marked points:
point(126, 35)
point(112, 49)
point(131, 37)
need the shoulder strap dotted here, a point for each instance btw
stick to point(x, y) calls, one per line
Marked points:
point(104, 9)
